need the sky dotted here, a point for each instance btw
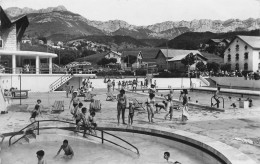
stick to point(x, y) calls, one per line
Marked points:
point(147, 12)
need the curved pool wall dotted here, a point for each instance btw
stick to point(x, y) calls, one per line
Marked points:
point(203, 147)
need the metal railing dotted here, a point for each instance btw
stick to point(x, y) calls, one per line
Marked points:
point(20, 132)
point(63, 79)
point(219, 102)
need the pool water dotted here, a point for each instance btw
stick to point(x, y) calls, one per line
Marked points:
point(93, 152)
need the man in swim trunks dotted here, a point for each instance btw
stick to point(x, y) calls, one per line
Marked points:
point(67, 149)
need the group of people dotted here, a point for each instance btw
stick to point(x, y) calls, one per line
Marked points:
point(68, 153)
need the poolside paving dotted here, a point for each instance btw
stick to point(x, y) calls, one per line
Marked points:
point(227, 127)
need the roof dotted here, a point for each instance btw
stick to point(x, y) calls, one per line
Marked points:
point(253, 41)
point(28, 53)
point(21, 23)
point(171, 53)
point(216, 40)
point(127, 53)
point(118, 53)
point(146, 52)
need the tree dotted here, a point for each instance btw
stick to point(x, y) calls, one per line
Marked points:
point(188, 61)
point(87, 53)
point(213, 66)
point(201, 66)
point(105, 61)
point(226, 67)
point(130, 59)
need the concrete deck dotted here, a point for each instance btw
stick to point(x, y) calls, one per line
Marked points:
point(226, 126)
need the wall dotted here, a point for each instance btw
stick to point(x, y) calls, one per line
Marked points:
point(161, 61)
point(9, 38)
point(237, 82)
point(34, 83)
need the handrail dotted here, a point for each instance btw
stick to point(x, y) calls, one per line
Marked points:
point(68, 128)
point(204, 80)
point(218, 98)
point(58, 81)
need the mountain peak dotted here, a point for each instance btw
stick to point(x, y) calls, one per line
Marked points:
point(16, 11)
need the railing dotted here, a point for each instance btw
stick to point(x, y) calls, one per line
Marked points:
point(59, 80)
point(204, 80)
point(71, 129)
point(219, 102)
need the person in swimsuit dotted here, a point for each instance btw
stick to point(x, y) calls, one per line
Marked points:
point(68, 152)
point(67, 89)
point(92, 123)
point(121, 105)
point(185, 114)
point(216, 97)
point(83, 121)
point(150, 106)
point(169, 106)
point(40, 155)
point(134, 85)
point(131, 113)
point(166, 156)
point(74, 100)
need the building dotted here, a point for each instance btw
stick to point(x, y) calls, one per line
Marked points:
point(138, 62)
point(114, 55)
point(243, 53)
point(218, 42)
point(170, 59)
point(11, 33)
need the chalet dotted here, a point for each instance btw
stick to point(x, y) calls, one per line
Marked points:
point(218, 42)
point(115, 55)
point(243, 53)
point(170, 59)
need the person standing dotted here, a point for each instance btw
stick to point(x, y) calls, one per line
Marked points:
point(74, 100)
point(169, 106)
point(121, 105)
point(109, 86)
point(119, 85)
point(185, 114)
point(131, 113)
point(134, 85)
point(150, 106)
point(67, 89)
point(113, 84)
point(216, 97)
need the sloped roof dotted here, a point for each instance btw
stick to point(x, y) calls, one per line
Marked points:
point(127, 53)
point(253, 41)
point(216, 40)
point(21, 23)
point(146, 52)
point(171, 53)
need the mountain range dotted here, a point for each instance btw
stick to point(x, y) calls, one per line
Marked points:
point(58, 23)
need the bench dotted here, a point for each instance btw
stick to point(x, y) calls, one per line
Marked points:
point(58, 107)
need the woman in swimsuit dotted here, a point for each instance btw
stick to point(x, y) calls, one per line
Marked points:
point(150, 106)
point(92, 122)
point(74, 100)
point(185, 114)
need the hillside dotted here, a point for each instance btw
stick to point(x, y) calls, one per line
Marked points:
point(192, 40)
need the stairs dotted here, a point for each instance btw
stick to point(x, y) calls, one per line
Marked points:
point(62, 80)
point(212, 83)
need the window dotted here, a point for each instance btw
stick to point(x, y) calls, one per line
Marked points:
point(237, 66)
point(245, 47)
point(229, 57)
point(237, 56)
point(245, 66)
point(237, 47)
point(1, 43)
point(246, 55)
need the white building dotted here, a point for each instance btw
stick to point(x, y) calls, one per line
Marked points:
point(243, 53)
point(115, 55)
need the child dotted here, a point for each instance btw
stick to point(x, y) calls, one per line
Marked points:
point(167, 157)
point(92, 122)
point(69, 153)
point(131, 113)
point(91, 106)
point(119, 85)
point(40, 155)
point(160, 106)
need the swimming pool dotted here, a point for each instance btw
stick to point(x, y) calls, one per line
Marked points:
point(91, 150)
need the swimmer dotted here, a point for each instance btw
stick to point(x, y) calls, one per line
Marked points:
point(167, 157)
point(40, 155)
point(67, 150)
